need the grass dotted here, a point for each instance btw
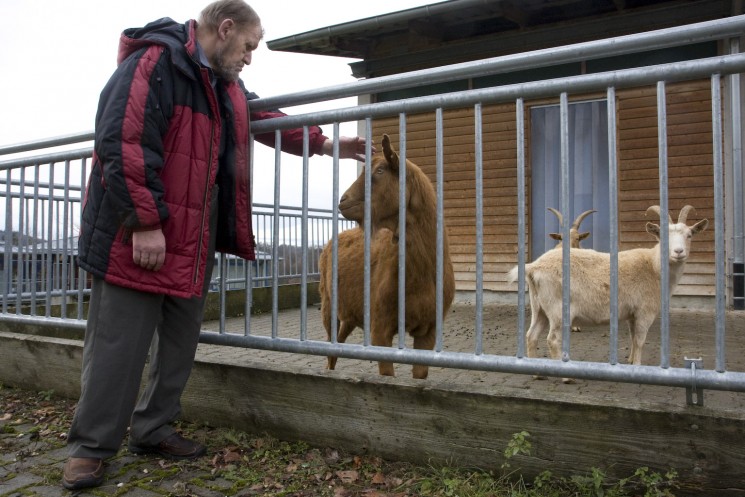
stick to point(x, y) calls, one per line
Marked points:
point(241, 464)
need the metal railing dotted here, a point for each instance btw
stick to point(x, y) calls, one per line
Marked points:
point(713, 68)
point(41, 197)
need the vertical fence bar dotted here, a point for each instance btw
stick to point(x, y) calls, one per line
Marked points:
point(48, 250)
point(368, 228)
point(275, 232)
point(566, 263)
point(520, 124)
point(479, 159)
point(22, 243)
point(82, 279)
point(719, 254)
point(62, 246)
point(335, 238)
point(402, 231)
point(738, 225)
point(613, 228)
point(664, 230)
point(35, 233)
point(440, 228)
point(8, 237)
point(248, 304)
point(304, 241)
point(222, 271)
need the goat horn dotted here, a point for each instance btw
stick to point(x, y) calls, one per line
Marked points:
point(683, 216)
point(656, 210)
point(558, 214)
point(581, 217)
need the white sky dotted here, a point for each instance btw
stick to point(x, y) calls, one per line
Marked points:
point(57, 55)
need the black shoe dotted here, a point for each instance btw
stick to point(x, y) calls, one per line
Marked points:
point(173, 447)
point(82, 472)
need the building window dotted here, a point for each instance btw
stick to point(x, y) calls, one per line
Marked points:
point(588, 173)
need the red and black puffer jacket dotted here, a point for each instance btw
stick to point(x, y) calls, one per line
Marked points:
point(158, 137)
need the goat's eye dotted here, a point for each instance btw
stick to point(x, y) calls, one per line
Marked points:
point(380, 170)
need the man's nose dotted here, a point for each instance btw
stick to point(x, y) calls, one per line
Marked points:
point(247, 58)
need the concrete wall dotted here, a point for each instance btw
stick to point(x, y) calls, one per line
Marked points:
point(401, 419)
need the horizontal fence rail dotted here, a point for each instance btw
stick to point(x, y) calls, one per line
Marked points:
point(42, 204)
point(41, 196)
point(714, 68)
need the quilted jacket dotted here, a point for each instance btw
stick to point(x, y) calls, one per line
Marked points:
point(164, 137)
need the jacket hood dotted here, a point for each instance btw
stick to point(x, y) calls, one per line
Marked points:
point(180, 39)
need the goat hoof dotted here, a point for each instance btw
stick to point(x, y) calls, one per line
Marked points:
point(568, 381)
point(538, 377)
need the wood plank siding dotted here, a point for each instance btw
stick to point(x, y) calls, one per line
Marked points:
point(690, 175)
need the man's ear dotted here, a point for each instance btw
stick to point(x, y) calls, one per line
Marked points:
point(224, 29)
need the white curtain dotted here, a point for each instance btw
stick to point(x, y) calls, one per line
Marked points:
point(588, 173)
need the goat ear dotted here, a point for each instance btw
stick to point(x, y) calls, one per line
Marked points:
point(584, 235)
point(390, 155)
point(555, 236)
point(654, 230)
point(700, 226)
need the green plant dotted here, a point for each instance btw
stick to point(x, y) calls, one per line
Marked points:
point(656, 485)
point(46, 394)
point(518, 445)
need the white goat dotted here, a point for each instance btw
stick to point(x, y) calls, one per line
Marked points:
point(638, 286)
point(574, 235)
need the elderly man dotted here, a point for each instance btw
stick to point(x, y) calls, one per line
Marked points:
point(169, 185)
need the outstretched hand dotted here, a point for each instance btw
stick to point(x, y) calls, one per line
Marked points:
point(350, 147)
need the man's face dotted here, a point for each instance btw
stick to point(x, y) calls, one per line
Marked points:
point(235, 51)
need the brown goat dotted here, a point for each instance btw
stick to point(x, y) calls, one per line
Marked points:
point(421, 258)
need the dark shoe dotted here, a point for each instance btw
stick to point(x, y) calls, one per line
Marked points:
point(174, 447)
point(82, 472)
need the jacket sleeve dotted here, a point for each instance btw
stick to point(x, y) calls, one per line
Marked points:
point(131, 120)
point(292, 139)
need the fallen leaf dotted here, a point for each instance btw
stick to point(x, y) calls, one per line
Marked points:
point(378, 479)
point(348, 476)
point(371, 492)
point(341, 492)
point(232, 456)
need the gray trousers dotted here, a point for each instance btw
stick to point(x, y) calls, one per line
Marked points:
point(123, 325)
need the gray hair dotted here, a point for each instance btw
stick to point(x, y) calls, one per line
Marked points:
point(239, 11)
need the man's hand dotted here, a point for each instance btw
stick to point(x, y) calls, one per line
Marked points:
point(149, 249)
point(350, 147)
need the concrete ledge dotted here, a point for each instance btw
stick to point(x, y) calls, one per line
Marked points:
point(404, 419)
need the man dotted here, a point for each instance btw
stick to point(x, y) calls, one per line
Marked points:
point(169, 185)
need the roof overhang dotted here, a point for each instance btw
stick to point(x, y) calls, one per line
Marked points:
point(436, 34)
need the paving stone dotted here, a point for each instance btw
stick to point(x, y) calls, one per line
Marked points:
point(20, 481)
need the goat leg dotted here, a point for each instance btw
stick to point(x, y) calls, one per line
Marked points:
point(344, 330)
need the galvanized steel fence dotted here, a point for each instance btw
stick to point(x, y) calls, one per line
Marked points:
point(58, 199)
point(41, 198)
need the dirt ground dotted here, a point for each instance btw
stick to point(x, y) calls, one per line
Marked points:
point(691, 336)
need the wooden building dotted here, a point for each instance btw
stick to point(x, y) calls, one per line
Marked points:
point(465, 30)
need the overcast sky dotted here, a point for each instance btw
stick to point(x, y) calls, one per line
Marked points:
point(57, 55)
